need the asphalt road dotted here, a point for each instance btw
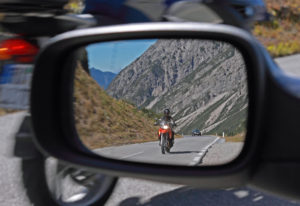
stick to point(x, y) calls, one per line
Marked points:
point(186, 151)
point(11, 190)
point(222, 153)
point(290, 64)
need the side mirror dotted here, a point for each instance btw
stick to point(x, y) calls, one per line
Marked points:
point(214, 79)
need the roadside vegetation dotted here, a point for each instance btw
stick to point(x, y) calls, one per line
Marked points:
point(7, 111)
point(236, 138)
point(281, 34)
point(74, 6)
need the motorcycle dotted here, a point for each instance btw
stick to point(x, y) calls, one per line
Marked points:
point(165, 134)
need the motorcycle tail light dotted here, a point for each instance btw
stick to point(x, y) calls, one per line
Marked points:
point(18, 49)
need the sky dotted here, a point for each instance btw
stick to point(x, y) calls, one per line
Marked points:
point(116, 55)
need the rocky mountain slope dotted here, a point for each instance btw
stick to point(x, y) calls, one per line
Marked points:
point(102, 78)
point(202, 82)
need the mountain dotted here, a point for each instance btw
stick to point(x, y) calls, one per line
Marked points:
point(103, 78)
point(202, 82)
point(103, 121)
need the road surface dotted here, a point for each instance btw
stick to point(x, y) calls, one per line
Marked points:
point(290, 64)
point(186, 151)
point(12, 191)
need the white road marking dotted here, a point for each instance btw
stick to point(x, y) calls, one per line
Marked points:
point(131, 155)
point(230, 188)
point(258, 198)
point(241, 194)
point(202, 153)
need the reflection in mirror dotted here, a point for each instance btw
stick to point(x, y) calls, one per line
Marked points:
point(164, 101)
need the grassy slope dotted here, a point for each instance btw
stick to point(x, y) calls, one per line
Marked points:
point(7, 111)
point(236, 138)
point(281, 35)
point(104, 121)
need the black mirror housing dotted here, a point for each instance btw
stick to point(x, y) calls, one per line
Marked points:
point(52, 112)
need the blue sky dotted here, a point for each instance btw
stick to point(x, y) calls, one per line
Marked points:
point(114, 56)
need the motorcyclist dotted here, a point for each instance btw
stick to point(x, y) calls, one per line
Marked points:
point(168, 118)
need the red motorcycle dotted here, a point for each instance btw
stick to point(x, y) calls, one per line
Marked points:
point(165, 134)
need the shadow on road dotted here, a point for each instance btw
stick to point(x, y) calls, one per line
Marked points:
point(197, 197)
point(183, 152)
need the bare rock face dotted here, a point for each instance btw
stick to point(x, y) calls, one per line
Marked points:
point(202, 82)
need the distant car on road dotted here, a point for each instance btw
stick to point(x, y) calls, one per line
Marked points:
point(196, 132)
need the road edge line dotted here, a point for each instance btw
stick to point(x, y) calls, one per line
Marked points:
point(203, 152)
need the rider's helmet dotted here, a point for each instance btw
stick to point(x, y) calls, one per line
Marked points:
point(166, 112)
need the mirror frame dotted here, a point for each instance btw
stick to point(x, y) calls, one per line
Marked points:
point(52, 94)
point(75, 61)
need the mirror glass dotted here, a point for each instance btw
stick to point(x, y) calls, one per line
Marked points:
point(163, 101)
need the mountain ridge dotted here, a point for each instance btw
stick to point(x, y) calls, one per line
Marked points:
point(103, 78)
